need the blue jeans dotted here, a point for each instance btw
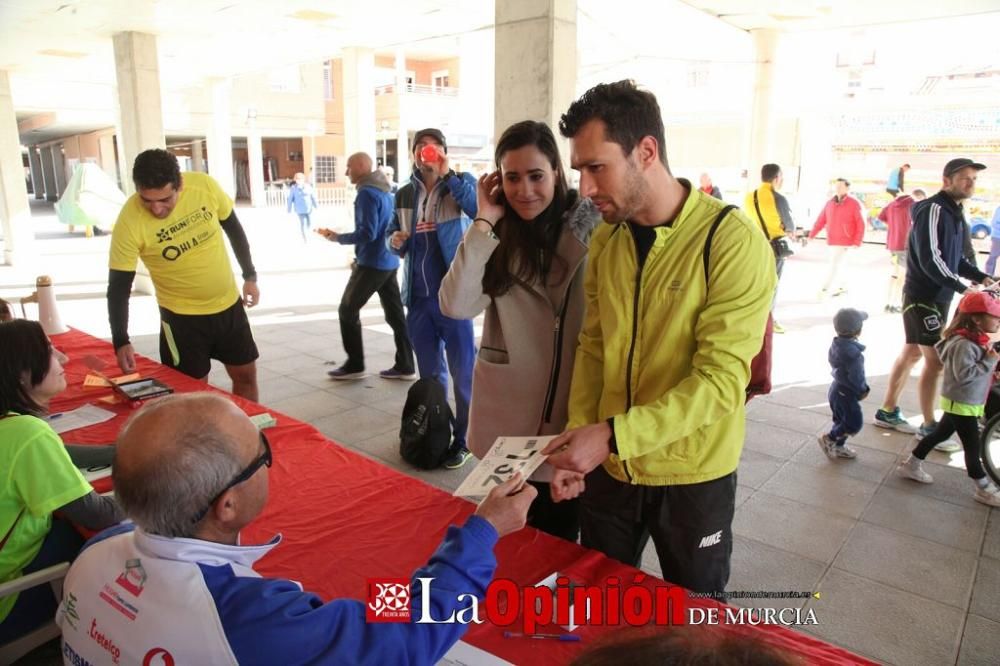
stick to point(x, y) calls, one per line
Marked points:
point(991, 262)
point(847, 417)
point(304, 224)
point(433, 335)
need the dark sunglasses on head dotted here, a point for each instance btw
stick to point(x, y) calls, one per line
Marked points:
point(264, 459)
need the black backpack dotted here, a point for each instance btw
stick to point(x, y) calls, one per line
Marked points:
point(425, 431)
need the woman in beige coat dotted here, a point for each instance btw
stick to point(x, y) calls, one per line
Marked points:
point(522, 261)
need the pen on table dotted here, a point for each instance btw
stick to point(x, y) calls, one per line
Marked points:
point(55, 416)
point(566, 638)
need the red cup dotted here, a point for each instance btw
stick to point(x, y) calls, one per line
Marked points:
point(429, 153)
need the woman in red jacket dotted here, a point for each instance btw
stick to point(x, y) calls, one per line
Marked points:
point(845, 228)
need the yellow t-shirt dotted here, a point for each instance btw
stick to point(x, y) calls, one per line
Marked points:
point(185, 253)
point(38, 478)
point(768, 209)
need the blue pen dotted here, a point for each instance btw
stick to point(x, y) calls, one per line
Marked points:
point(55, 416)
point(565, 638)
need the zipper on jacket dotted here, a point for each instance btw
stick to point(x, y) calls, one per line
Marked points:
point(550, 399)
point(631, 349)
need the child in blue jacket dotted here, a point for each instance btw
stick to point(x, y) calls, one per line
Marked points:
point(849, 386)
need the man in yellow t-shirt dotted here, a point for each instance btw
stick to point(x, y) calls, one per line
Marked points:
point(174, 225)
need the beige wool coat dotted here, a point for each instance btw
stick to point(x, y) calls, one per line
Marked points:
point(520, 384)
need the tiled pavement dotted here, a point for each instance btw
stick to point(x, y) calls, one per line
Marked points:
point(908, 574)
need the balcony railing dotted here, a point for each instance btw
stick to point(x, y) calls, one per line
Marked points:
point(418, 89)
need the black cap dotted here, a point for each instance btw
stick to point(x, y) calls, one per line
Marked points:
point(432, 132)
point(960, 163)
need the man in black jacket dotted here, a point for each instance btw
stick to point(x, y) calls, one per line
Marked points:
point(934, 265)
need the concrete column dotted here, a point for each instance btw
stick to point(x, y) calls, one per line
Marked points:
point(403, 139)
point(37, 177)
point(535, 62)
point(137, 72)
point(359, 100)
point(197, 156)
point(220, 138)
point(15, 215)
point(48, 173)
point(108, 159)
point(759, 149)
point(59, 168)
point(255, 159)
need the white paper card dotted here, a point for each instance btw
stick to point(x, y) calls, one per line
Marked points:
point(81, 417)
point(464, 654)
point(508, 456)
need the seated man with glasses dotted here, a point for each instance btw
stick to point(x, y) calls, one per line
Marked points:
point(178, 587)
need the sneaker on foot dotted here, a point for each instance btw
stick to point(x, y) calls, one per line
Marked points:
point(990, 495)
point(458, 458)
point(893, 420)
point(947, 446)
point(827, 445)
point(393, 373)
point(777, 328)
point(340, 374)
point(912, 468)
point(845, 451)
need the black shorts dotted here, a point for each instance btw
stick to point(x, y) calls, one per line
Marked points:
point(923, 322)
point(691, 526)
point(189, 342)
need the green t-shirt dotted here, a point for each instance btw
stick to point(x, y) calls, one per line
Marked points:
point(37, 478)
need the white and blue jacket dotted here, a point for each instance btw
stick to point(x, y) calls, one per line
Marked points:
point(435, 231)
point(137, 598)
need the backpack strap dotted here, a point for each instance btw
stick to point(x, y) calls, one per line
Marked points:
point(760, 217)
point(711, 234)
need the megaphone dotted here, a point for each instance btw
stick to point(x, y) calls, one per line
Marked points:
point(48, 313)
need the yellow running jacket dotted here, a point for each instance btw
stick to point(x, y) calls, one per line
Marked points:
point(667, 355)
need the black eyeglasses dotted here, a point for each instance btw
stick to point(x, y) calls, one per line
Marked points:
point(264, 459)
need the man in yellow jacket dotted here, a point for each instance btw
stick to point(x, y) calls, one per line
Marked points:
point(656, 408)
point(769, 208)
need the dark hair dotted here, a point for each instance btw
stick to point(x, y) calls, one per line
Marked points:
point(6, 314)
point(527, 247)
point(156, 168)
point(24, 350)
point(907, 165)
point(686, 646)
point(846, 182)
point(966, 320)
point(769, 172)
point(629, 115)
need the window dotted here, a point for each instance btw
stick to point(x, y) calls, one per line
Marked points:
point(326, 169)
point(327, 80)
point(439, 79)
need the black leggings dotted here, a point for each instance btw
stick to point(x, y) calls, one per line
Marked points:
point(967, 428)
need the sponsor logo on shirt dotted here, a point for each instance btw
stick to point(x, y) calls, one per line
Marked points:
point(388, 600)
point(158, 657)
point(104, 641)
point(72, 658)
point(67, 609)
point(111, 596)
point(133, 578)
point(187, 226)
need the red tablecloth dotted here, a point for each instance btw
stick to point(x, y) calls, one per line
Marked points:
point(345, 518)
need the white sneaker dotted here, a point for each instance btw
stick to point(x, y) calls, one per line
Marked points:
point(912, 468)
point(990, 495)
